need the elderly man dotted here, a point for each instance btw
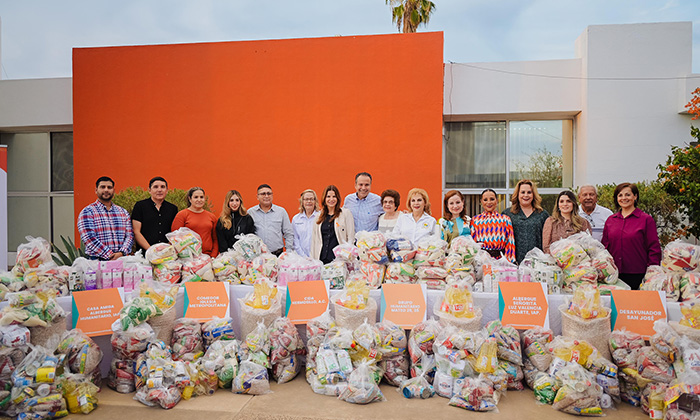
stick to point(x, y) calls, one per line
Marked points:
point(272, 222)
point(591, 211)
point(104, 227)
point(365, 206)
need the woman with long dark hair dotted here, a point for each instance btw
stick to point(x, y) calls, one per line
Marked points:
point(333, 227)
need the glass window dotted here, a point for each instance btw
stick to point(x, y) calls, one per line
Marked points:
point(541, 151)
point(61, 161)
point(27, 162)
point(26, 216)
point(63, 218)
point(475, 155)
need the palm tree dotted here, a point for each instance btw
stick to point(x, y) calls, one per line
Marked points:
point(410, 13)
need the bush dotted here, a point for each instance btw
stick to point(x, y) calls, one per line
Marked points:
point(653, 200)
point(128, 197)
point(680, 175)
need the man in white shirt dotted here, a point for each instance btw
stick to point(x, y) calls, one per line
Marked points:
point(366, 207)
point(591, 211)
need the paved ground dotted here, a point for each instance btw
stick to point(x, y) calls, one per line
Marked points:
point(296, 400)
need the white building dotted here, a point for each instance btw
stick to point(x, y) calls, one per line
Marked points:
point(609, 115)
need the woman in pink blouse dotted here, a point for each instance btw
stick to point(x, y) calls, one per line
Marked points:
point(564, 221)
point(630, 236)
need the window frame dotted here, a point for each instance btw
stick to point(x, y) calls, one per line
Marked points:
point(507, 191)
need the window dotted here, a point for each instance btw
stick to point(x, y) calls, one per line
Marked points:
point(498, 154)
point(39, 186)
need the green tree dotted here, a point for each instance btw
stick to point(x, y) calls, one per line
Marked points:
point(128, 197)
point(543, 167)
point(680, 175)
point(409, 14)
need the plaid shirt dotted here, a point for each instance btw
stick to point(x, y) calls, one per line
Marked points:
point(105, 232)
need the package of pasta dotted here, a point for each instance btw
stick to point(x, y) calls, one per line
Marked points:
point(335, 272)
point(160, 253)
point(568, 253)
point(223, 356)
point(251, 379)
point(395, 361)
point(578, 274)
point(624, 347)
point(362, 387)
point(261, 305)
point(430, 251)
point(681, 256)
point(32, 254)
point(604, 264)
point(465, 247)
point(690, 286)
point(400, 248)
point(225, 267)
point(137, 311)
point(82, 354)
point(187, 340)
point(316, 330)
point(266, 264)
point(373, 273)
point(79, 392)
point(250, 246)
point(168, 271)
point(346, 252)
point(665, 341)
point(653, 366)
point(658, 278)
point(508, 340)
point(539, 355)
point(371, 246)
point(286, 349)
point(420, 348)
point(476, 394)
point(197, 268)
point(217, 329)
point(187, 243)
point(579, 393)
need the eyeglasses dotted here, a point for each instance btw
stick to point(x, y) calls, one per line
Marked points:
point(309, 199)
point(265, 193)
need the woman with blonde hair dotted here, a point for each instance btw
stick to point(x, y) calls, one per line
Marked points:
point(303, 222)
point(455, 221)
point(564, 220)
point(418, 223)
point(334, 226)
point(234, 220)
point(528, 217)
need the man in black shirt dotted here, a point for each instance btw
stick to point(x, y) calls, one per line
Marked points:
point(153, 216)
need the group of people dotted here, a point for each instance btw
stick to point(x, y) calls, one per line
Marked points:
point(109, 232)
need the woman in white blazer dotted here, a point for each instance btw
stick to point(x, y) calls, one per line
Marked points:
point(333, 227)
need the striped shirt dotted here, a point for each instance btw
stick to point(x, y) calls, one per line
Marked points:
point(495, 232)
point(105, 231)
point(365, 211)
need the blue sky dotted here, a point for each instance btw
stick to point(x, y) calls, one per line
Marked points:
point(36, 37)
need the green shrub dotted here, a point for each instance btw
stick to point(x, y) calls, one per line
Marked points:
point(128, 197)
point(653, 200)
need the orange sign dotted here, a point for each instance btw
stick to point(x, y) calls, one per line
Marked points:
point(523, 305)
point(403, 304)
point(306, 300)
point(637, 310)
point(205, 300)
point(94, 311)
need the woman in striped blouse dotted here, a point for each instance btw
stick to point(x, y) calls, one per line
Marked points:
point(493, 230)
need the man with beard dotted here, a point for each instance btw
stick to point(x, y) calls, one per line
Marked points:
point(591, 211)
point(104, 227)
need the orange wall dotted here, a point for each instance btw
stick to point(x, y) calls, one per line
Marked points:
point(296, 114)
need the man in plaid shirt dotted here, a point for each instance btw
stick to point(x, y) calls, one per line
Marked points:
point(105, 228)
